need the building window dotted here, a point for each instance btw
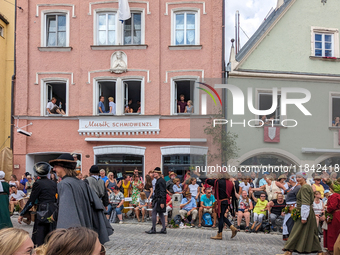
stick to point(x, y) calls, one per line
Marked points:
point(325, 42)
point(184, 93)
point(57, 90)
point(1, 31)
point(106, 29)
point(133, 29)
point(265, 103)
point(56, 30)
point(185, 28)
point(323, 45)
point(336, 111)
point(132, 97)
point(107, 89)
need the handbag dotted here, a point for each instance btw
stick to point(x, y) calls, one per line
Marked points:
point(43, 213)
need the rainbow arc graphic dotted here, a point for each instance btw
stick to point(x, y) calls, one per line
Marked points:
point(209, 93)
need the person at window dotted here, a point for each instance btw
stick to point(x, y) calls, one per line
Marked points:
point(116, 199)
point(207, 206)
point(29, 184)
point(128, 107)
point(264, 119)
point(181, 104)
point(336, 122)
point(275, 210)
point(259, 211)
point(188, 207)
point(16, 198)
point(317, 186)
point(52, 108)
point(112, 106)
point(189, 108)
point(244, 208)
point(101, 106)
point(139, 107)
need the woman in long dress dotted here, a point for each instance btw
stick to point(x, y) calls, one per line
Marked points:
point(304, 236)
point(5, 219)
point(126, 186)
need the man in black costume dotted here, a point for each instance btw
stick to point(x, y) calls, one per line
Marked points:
point(44, 191)
point(158, 202)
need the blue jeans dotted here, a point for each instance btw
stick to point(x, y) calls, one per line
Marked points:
point(118, 209)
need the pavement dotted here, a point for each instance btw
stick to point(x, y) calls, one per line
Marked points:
point(130, 238)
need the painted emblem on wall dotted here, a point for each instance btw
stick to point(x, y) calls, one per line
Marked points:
point(118, 62)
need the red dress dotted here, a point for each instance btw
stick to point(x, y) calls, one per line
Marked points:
point(333, 206)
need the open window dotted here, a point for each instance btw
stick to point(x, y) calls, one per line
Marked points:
point(56, 90)
point(266, 102)
point(186, 89)
point(336, 111)
point(132, 97)
point(106, 89)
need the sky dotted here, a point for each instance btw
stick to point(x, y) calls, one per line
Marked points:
point(252, 14)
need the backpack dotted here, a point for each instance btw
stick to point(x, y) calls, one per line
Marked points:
point(207, 222)
point(177, 219)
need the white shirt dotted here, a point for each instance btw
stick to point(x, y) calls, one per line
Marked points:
point(193, 189)
point(113, 105)
point(20, 194)
point(50, 105)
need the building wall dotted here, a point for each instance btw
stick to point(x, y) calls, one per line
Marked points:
point(162, 63)
point(6, 70)
point(288, 45)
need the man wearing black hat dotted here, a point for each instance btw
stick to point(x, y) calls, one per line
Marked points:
point(158, 202)
point(44, 191)
point(78, 204)
point(97, 185)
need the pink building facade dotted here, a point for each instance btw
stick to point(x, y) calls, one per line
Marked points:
point(78, 51)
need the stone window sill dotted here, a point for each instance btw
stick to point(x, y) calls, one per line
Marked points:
point(325, 58)
point(54, 115)
point(54, 48)
point(119, 47)
point(334, 128)
point(185, 47)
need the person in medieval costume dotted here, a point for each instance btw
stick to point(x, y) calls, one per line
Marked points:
point(5, 219)
point(291, 194)
point(304, 236)
point(333, 215)
point(224, 190)
point(97, 185)
point(44, 193)
point(158, 202)
point(78, 204)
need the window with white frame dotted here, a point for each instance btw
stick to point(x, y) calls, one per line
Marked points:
point(133, 29)
point(106, 29)
point(107, 89)
point(184, 96)
point(132, 97)
point(323, 45)
point(1, 31)
point(58, 91)
point(336, 110)
point(186, 30)
point(325, 42)
point(266, 102)
point(56, 30)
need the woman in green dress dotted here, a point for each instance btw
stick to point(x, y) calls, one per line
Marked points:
point(5, 219)
point(137, 186)
point(304, 236)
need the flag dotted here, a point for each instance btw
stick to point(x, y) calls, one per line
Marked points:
point(124, 10)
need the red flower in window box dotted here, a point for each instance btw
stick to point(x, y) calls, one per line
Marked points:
point(330, 57)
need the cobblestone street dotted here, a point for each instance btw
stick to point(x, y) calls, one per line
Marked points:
point(131, 239)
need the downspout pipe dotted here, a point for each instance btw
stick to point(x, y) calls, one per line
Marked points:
point(13, 77)
point(224, 72)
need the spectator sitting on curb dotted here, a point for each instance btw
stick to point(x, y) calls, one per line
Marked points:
point(207, 206)
point(188, 207)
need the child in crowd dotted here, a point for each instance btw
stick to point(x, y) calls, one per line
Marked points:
point(143, 205)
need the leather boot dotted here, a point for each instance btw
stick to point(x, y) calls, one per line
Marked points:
point(233, 230)
point(218, 236)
